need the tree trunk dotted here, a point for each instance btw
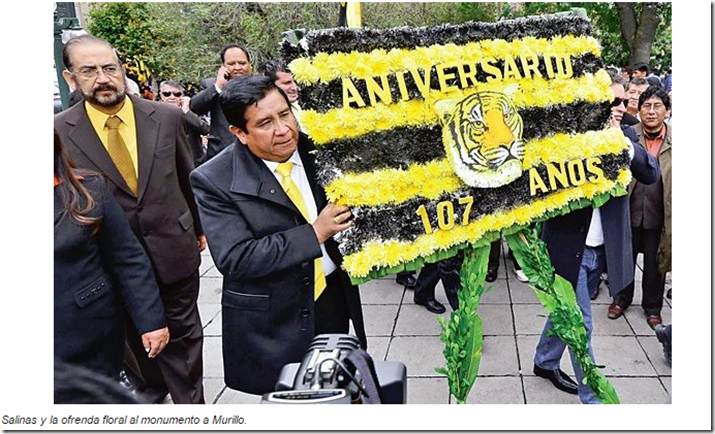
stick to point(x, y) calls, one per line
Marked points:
point(639, 32)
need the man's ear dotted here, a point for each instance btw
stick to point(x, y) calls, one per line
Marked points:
point(68, 78)
point(239, 133)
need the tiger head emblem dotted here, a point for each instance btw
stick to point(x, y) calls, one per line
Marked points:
point(482, 138)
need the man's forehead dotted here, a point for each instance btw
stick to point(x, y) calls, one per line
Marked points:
point(271, 103)
point(235, 53)
point(93, 52)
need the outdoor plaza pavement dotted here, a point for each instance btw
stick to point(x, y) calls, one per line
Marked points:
point(399, 330)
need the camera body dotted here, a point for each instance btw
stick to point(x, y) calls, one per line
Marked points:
point(321, 377)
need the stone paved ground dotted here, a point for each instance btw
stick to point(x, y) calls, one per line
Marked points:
point(399, 330)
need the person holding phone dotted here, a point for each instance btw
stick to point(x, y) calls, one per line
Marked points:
point(235, 62)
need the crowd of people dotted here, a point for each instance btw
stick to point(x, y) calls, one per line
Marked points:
point(141, 188)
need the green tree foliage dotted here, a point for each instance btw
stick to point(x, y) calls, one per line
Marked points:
point(182, 40)
point(129, 27)
point(609, 20)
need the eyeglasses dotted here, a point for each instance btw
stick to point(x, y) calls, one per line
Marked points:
point(618, 101)
point(90, 72)
point(168, 94)
point(656, 107)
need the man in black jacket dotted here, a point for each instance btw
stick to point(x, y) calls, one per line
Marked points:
point(235, 62)
point(270, 230)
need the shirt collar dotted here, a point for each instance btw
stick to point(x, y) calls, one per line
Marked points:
point(126, 113)
point(295, 159)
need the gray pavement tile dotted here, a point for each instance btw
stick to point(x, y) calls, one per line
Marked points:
point(622, 356)
point(214, 328)
point(496, 319)
point(668, 383)
point(420, 354)
point(499, 356)
point(379, 320)
point(522, 293)
point(496, 292)
point(654, 350)
point(527, 349)
point(213, 358)
point(210, 290)
point(637, 319)
point(381, 291)
point(212, 389)
point(639, 390)
point(206, 264)
point(208, 312)
point(377, 347)
point(496, 390)
point(427, 391)
point(230, 396)
point(529, 319)
point(541, 391)
point(602, 325)
point(212, 272)
point(415, 320)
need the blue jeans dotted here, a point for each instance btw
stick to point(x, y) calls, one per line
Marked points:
point(550, 348)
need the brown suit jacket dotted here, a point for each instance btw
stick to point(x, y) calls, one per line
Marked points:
point(164, 215)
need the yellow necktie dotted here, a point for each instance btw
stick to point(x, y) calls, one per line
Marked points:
point(120, 154)
point(293, 192)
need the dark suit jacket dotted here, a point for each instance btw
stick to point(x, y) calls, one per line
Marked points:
point(206, 102)
point(96, 276)
point(565, 236)
point(195, 128)
point(265, 250)
point(164, 215)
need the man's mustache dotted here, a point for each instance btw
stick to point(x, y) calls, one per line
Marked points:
point(102, 87)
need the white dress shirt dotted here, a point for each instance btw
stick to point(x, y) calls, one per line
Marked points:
point(301, 180)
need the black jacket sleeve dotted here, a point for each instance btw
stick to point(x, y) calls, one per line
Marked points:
point(203, 101)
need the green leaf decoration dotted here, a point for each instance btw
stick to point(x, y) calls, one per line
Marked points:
point(558, 297)
point(462, 335)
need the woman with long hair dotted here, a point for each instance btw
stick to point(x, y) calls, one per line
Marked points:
point(101, 270)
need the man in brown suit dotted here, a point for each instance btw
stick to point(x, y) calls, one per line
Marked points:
point(651, 210)
point(141, 148)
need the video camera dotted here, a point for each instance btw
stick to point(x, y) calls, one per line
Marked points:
point(336, 371)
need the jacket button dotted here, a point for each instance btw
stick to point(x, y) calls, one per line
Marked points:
point(145, 233)
point(273, 191)
point(306, 281)
point(578, 255)
point(305, 312)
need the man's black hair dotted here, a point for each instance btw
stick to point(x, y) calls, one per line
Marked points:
point(654, 91)
point(641, 67)
point(243, 91)
point(272, 67)
point(228, 47)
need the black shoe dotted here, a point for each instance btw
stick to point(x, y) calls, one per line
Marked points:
point(669, 294)
point(432, 305)
point(558, 378)
point(596, 292)
point(407, 280)
point(491, 275)
point(663, 334)
point(126, 383)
